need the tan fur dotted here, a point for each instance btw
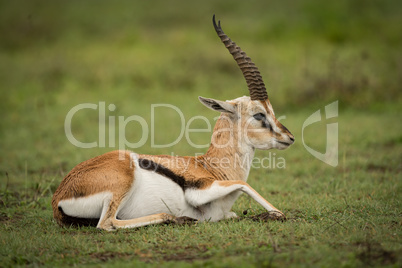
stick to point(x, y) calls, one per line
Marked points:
point(111, 172)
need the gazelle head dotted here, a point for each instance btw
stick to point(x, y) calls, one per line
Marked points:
point(251, 119)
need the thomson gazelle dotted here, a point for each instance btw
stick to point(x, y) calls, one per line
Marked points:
point(122, 189)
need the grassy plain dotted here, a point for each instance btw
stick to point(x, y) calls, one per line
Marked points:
point(54, 56)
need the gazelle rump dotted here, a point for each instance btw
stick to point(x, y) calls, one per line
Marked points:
point(122, 189)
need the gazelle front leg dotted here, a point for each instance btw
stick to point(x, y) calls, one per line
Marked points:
point(220, 189)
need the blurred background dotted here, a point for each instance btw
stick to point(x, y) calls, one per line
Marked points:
point(55, 55)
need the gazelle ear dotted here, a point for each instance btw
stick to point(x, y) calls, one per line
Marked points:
point(217, 105)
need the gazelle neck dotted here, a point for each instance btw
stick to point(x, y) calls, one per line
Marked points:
point(229, 155)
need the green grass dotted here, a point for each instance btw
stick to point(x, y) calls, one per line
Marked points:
point(54, 56)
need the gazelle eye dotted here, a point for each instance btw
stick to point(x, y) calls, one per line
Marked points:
point(259, 116)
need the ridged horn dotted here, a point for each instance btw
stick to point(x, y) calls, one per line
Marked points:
point(250, 72)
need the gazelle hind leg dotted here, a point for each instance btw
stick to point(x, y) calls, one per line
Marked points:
point(105, 209)
point(145, 221)
point(142, 221)
point(109, 222)
point(152, 219)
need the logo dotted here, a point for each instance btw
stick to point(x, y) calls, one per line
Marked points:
point(330, 156)
point(115, 127)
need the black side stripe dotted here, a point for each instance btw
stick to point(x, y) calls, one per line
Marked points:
point(164, 171)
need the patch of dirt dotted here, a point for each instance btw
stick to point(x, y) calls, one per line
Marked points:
point(268, 216)
point(107, 256)
point(393, 142)
point(14, 218)
point(3, 217)
point(184, 256)
point(374, 253)
point(280, 193)
point(10, 199)
point(189, 254)
point(182, 221)
point(376, 168)
point(296, 215)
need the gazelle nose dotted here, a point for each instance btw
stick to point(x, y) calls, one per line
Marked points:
point(292, 139)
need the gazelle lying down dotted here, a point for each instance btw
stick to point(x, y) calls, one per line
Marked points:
point(122, 189)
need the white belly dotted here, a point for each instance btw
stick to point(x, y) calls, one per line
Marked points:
point(152, 193)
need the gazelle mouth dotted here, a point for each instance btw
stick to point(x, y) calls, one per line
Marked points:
point(284, 143)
